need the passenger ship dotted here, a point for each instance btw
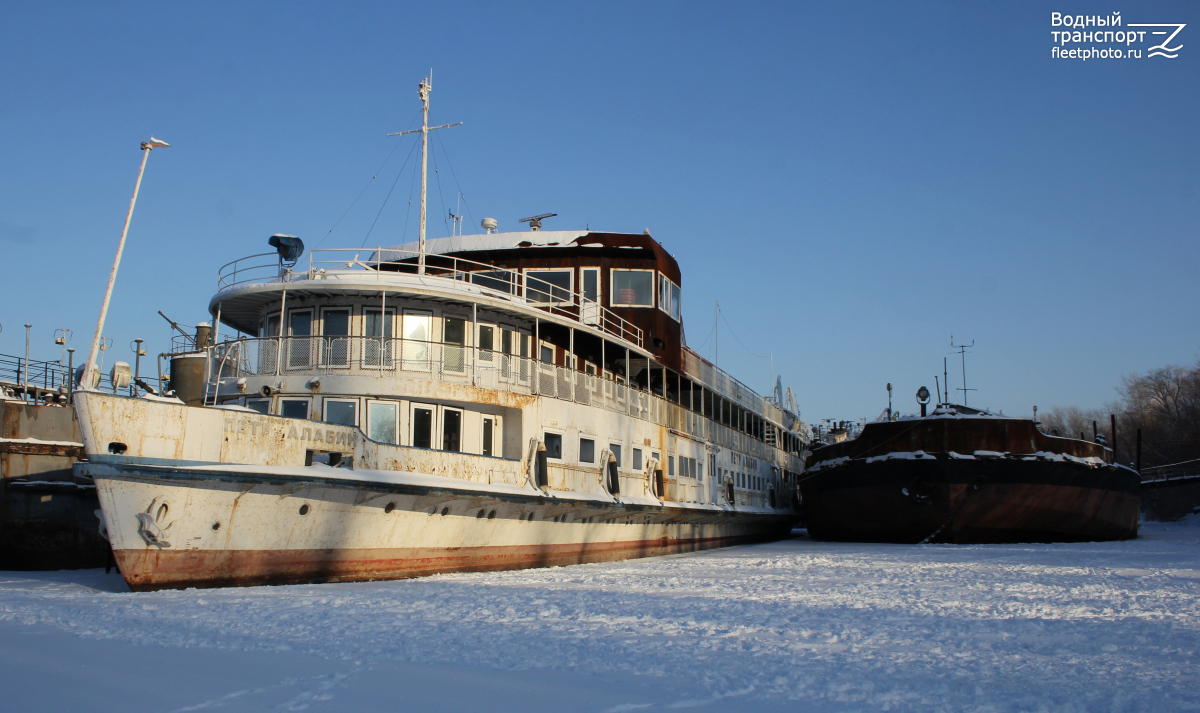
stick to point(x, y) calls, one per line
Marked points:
point(475, 402)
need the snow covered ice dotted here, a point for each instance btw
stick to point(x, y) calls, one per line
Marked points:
point(792, 625)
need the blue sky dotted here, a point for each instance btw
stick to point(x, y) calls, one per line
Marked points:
point(854, 182)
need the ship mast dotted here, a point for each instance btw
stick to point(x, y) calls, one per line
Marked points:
point(423, 90)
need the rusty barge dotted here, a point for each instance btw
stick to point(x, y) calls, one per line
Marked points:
point(966, 476)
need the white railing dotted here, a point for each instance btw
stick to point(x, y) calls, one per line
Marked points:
point(431, 361)
point(497, 281)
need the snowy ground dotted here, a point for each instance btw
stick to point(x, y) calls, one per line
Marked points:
point(795, 625)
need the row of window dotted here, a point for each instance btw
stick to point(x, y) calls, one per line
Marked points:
point(688, 467)
point(403, 423)
point(628, 287)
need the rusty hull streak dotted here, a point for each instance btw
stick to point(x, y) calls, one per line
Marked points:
point(176, 569)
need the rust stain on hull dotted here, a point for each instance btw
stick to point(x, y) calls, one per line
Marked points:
point(148, 570)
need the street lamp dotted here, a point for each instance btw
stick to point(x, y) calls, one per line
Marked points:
point(89, 366)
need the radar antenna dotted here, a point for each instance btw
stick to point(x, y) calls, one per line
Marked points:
point(535, 221)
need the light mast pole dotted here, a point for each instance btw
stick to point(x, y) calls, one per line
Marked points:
point(88, 368)
point(423, 90)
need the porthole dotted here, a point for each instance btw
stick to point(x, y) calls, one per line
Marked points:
point(304, 509)
point(216, 526)
point(162, 512)
point(445, 510)
point(389, 507)
point(491, 514)
point(480, 514)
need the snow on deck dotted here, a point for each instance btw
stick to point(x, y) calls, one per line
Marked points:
point(793, 625)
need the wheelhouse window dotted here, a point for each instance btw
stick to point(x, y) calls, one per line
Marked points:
point(377, 348)
point(633, 288)
point(335, 328)
point(552, 286)
point(499, 280)
point(668, 297)
point(417, 333)
point(454, 336)
point(301, 347)
point(486, 342)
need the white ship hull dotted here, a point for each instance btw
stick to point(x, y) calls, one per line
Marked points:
point(180, 514)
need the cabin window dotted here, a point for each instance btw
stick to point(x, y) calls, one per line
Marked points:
point(547, 354)
point(417, 330)
point(587, 450)
point(377, 347)
point(670, 465)
point(452, 430)
point(486, 342)
point(699, 471)
point(499, 280)
point(383, 421)
point(263, 406)
point(633, 288)
point(335, 328)
point(548, 285)
point(341, 412)
point(591, 283)
point(293, 408)
point(637, 458)
point(422, 426)
point(668, 297)
point(615, 449)
point(553, 442)
point(300, 347)
point(270, 327)
point(454, 336)
point(488, 435)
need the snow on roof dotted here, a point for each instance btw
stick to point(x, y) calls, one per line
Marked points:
point(491, 241)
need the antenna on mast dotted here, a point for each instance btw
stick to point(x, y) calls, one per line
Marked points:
point(423, 90)
point(962, 350)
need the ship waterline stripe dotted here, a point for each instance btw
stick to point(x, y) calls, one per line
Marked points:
point(149, 569)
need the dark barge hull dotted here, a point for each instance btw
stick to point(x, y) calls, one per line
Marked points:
point(967, 477)
point(972, 501)
point(47, 516)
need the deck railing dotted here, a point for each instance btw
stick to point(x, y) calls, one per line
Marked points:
point(505, 283)
point(43, 376)
point(443, 363)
